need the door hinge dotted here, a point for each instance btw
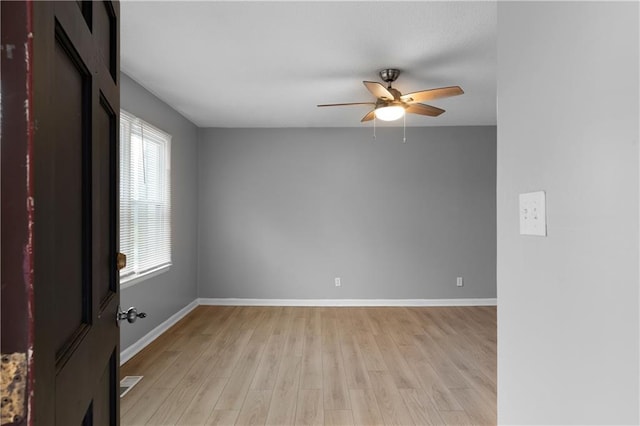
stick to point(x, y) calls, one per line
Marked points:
point(121, 261)
point(14, 379)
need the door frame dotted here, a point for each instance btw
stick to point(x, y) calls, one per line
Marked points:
point(17, 215)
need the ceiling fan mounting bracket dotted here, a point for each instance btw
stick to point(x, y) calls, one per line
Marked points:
point(389, 75)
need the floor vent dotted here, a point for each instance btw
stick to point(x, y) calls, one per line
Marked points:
point(127, 383)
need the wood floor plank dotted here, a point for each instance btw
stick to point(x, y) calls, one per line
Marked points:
point(439, 359)
point(430, 381)
point(329, 326)
point(432, 323)
point(177, 401)
point(338, 418)
point(402, 326)
point(266, 323)
point(202, 404)
point(309, 409)
point(467, 355)
point(371, 355)
point(311, 373)
point(421, 407)
point(295, 338)
point(365, 408)
point(225, 324)
point(354, 366)
point(314, 321)
point(334, 384)
point(206, 315)
point(479, 412)
point(359, 322)
point(456, 418)
point(150, 374)
point(344, 325)
point(146, 358)
point(177, 370)
point(407, 322)
point(185, 324)
point(229, 356)
point(240, 379)
point(283, 324)
point(146, 406)
point(188, 388)
point(375, 318)
point(223, 418)
point(219, 358)
point(403, 376)
point(255, 408)
point(282, 409)
point(267, 371)
point(390, 403)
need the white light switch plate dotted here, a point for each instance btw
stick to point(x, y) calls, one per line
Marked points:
point(533, 214)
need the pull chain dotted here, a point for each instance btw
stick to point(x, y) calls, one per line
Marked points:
point(404, 128)
point(374, 127)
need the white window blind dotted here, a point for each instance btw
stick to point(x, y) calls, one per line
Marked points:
point(145, 197)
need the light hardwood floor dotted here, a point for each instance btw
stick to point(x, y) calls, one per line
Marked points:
point(311, 366)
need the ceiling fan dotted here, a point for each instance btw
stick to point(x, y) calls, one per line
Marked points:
point(391, 105)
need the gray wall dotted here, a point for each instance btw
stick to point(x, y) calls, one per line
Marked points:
point(284, 211)
point(568, 124)
point(164, 295)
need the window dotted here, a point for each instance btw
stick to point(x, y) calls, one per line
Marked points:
point(145, 198)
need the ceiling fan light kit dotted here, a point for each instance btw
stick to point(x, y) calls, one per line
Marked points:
point(389, 113)
point(391, 105)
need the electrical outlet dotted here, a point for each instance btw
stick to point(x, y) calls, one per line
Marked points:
point(337, 281)
point(459, 282)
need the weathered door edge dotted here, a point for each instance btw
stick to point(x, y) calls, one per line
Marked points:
point(16, 135)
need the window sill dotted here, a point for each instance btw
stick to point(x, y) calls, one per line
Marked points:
point(131, 281)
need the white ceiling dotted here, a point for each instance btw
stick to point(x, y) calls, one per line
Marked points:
point(267, 64)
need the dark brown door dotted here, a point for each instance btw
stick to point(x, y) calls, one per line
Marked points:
point(76, 107)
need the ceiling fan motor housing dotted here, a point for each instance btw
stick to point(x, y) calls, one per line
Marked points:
point(389, 75)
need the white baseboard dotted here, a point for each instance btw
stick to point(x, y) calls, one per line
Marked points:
point(346, 302)
point(145, 340)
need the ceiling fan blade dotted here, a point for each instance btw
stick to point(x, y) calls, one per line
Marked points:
point(423, 109)
point(427, 95)
point(349, 103)
point(370, 115)
point(378, 90)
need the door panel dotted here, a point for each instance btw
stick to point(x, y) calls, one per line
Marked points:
point(105, 25)
point(71, 292)
point(76, 102)
point(86, 8)
point(105, 168)
point(106, 394)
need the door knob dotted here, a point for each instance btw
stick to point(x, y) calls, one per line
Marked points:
point(131, 315)
point(121, 261)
